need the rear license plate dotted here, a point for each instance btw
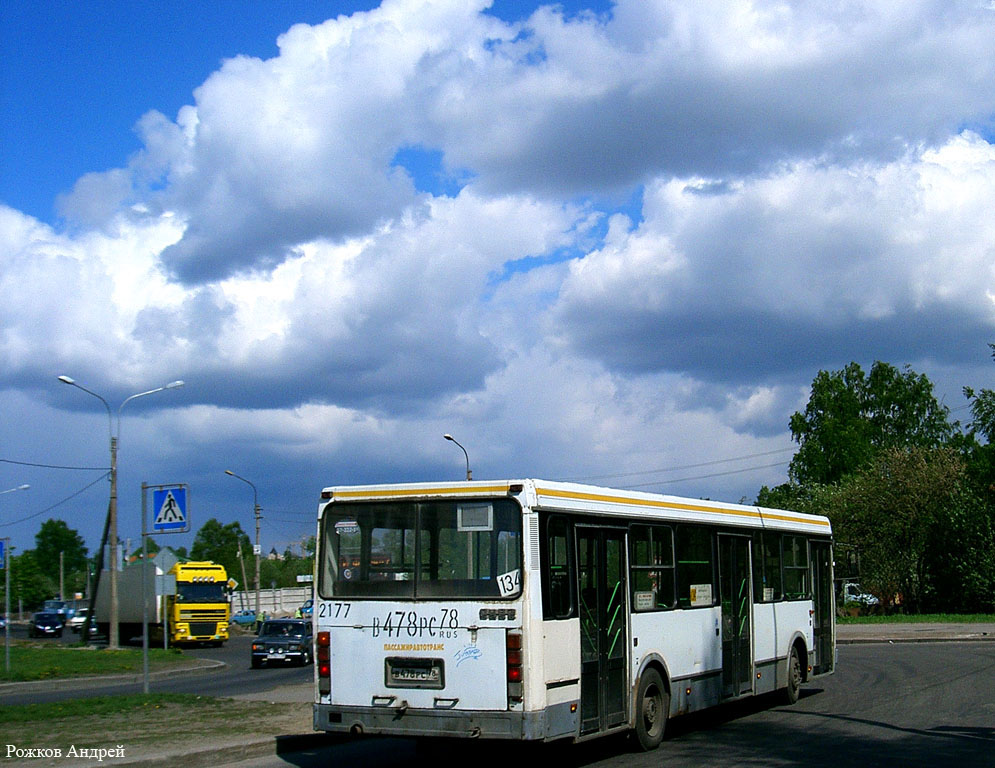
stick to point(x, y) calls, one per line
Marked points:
point(414, 673)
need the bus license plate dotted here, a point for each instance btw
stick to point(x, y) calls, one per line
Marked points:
point(414, 673)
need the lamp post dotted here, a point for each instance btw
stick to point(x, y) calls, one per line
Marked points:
point(258, 549)
point(469, 474)
point(112, 632)
point(6, 588)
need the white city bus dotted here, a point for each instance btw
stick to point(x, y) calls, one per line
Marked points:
point(537, 610)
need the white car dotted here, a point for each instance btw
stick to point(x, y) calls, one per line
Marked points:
point(75, 624)
point(852, 593)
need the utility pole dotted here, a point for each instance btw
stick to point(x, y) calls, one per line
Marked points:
point(7, 557)
point(6, 603)
point(245, 579)
point(112, 631)
point(258, 548)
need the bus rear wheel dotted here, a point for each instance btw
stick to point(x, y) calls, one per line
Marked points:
point(793, 689)
point(652, 709)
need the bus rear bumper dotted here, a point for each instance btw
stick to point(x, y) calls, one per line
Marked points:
point(468, 724)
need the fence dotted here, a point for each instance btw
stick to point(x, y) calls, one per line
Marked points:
point(272, 602)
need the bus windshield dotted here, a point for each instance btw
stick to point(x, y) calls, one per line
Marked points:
point(436, 549)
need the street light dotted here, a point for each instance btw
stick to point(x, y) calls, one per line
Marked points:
point(469, 474)
point(6, 586)
point(112, 639)
point(258, 549)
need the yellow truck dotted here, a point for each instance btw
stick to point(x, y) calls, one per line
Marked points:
point(196, 612)
point(199, 611)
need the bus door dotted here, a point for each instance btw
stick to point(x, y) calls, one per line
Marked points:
point(603, 616)
point(736, 593)
point(822, 592)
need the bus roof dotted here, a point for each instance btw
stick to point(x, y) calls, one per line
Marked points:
point(576, 497)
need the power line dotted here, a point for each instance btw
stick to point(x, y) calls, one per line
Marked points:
point(60, 503)
point(689, 466)
point(305, 520)
point(52, 466)
point(714, 474)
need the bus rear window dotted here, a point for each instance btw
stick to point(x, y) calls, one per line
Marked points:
point(442, 549)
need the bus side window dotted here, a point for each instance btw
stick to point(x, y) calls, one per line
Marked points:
point(695, 574)
point(794, 557)
point(558, 580)
point(766, 567)
point(652, 565)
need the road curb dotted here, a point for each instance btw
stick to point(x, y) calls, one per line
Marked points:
point(915, 632)
point(219, 756)
point(983, 638)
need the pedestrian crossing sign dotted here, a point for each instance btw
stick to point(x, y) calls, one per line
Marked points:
point(170, 505)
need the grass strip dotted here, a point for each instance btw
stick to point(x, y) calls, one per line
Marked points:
point(101, 706)
point(46, 662)
point(147, 725)
point(925, 618)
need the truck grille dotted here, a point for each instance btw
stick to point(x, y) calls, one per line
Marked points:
point(199, 628)
point(210, 614)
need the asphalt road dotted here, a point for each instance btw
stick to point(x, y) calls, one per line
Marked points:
point(902, 705)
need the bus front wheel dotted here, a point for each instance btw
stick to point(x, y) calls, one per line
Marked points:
point(652, 709)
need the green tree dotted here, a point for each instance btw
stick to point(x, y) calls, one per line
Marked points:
point(785, 496)
point(909, 513)
point(286, 570)
point(852, 416)
point(29, 585)
point(983, 408)
point(53, 539)
point(220, 544)
point(961, 560)
point(981, 456)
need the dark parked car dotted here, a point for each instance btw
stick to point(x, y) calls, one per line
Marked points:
point(46, 625)
point(282, 641)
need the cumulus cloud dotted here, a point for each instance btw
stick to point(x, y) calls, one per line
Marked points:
point(279, 152)
point(658, 225)
point(390, 321)
point(815, 262)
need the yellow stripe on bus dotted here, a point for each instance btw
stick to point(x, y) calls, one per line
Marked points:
point(659, 504)
point(411, 492)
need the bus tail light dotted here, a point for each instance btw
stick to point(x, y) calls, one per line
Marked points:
point(513, 646)
point(324, 663)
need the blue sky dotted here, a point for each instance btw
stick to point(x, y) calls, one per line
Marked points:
point(590, 240)
point(77, 76)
